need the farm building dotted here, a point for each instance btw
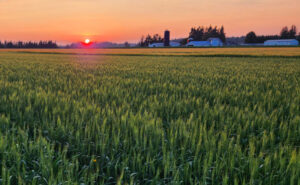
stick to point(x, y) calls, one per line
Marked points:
point(166, 43)
point(198, 44)
point(215, 42)
point(158, 45)
point(211, 42)
point(174, 44)
point(282, 42)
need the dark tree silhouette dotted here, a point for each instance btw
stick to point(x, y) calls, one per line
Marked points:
point(20, 44)
point(197, 33)
point(126, 45)
point(251, 37)
point(293, 31)
point(203, 33)
point(150, 39)
point(284, 34)
point(222, 34)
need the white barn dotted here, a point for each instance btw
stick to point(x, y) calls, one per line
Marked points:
point(156, 45)
point(282, 42)
point(160, 45)
point(175, 44)
point(211, 42)
point(215, 42)
point(198, 44)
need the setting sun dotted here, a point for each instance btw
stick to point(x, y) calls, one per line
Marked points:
point(87, 41)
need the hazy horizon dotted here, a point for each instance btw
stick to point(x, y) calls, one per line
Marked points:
point(67, 21)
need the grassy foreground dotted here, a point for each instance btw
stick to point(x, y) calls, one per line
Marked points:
point(93, 119)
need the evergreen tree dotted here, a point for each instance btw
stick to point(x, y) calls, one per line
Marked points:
point(222, 34)
point(285, 33)
point(293, 32)
point(150, 39)
point(202, 33)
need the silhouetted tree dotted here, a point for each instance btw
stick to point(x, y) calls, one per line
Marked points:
point(285, 34)
point(142, 42)
point(222, 34)
point(197, 33)
point(156, 38)
point(150, 39)
point(293, 31)
point(251, 37)
point(20, 44)
point(201, 33)
point(126, 45)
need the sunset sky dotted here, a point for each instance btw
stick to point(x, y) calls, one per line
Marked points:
point(127, 20)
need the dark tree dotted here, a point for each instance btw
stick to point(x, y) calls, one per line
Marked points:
point(9, 45)
point(201, 33)
point(156, 38)
point(285, 33)
point(126, 45)
point(142, 41)
point(251, 38)
point(197, 33)
point(222, 34)
point(20, 44)
point(293, 31)
point(150, 39)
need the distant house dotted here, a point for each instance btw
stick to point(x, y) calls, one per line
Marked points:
point(211, 42)
point(282, 42)
point(166, 43)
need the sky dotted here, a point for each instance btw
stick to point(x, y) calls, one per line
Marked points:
point(67, 21)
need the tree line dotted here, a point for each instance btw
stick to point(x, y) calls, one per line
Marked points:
point(200, 33)
point(203, 33)
point(20, 44)
point(145, 41)
point(286, 33)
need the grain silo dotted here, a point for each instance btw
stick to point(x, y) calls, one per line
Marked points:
point(167, 38)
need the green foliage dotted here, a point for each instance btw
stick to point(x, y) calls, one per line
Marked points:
point(79, 119)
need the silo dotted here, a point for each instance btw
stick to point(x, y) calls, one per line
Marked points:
point(167, 38)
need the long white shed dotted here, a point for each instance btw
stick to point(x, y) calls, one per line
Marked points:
point(282, 42)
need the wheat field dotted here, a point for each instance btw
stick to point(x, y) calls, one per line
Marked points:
point(146, 116)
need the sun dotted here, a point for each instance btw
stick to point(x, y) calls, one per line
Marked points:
point(87, 41)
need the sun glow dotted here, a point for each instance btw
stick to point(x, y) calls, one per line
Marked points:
point(87, 41)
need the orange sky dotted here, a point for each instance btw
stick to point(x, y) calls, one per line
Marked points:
point(126, 20)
